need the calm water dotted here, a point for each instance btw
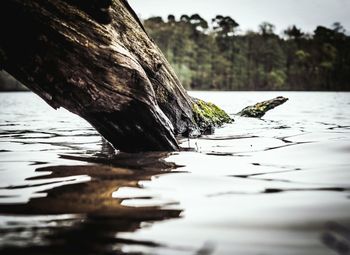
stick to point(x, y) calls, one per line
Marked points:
point(280, 185)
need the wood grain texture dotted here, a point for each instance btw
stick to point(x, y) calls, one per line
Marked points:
point(95, 59)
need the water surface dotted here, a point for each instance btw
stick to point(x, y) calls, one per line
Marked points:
point(277, 185)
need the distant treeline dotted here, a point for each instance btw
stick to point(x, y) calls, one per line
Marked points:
point(215, 56)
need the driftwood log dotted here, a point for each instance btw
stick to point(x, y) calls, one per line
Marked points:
point(94, 58)
point(259, 109)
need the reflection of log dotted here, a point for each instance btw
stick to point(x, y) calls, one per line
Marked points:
point(98, 217)
point(95, 59)
point(258, 110)
point(95, 197)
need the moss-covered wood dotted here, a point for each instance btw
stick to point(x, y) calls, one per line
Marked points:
point(208, 115)
point(258, 110)
point(95, 59)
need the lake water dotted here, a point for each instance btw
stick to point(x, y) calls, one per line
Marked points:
point(277, 185)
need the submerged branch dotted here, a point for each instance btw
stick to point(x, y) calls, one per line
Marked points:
point(258, 110)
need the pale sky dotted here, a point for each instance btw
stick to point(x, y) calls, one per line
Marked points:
point(306, 14)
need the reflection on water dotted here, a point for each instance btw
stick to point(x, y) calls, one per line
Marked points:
point(279, 185)
point(94, 215)
point(337, 237)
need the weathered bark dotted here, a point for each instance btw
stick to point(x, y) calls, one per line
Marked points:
point(258, 110)
point(95, 59)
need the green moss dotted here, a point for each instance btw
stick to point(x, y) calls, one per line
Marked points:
point(208, 115)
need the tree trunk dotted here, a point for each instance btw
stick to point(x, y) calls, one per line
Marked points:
point(94, 58)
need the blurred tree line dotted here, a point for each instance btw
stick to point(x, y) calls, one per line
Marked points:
point(216, 57)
